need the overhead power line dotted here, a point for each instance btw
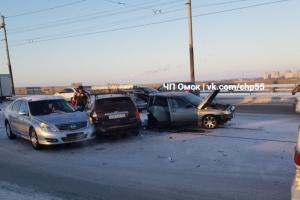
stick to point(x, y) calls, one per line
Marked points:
point(38, 11)
point(85, 17)
point(129, 20)
point(62, 23)
point(154, 23)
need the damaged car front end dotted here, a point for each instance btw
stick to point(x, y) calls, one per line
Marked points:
point(170, 109)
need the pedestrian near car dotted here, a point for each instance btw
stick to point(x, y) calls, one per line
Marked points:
point(80, 98)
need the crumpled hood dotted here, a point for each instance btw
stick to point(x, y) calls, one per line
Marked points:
point(63, 118)
point(208, 99)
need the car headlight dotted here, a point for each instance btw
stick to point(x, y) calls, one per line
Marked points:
point(45, 127)
point(90, 121)
point(226, 112)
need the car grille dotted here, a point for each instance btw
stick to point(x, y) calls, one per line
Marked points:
point(71, 126)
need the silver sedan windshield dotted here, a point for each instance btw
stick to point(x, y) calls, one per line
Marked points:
point(48, 107)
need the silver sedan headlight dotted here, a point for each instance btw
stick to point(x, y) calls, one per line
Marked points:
point(90, 121)
point(46, 127)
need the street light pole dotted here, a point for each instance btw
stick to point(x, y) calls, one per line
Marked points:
point(191, 48)
point(7, 56)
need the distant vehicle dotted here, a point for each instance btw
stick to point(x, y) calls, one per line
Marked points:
point(5, 86)
point(114, 114)
point(295, 188)
point(179, 87)
point(296, 102)
point(68, 93)
point(144, 92)
point(168, 109)
point(47, 120)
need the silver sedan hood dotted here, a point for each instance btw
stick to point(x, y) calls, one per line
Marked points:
point(62, 118)
point(296, 89)
point(208, 99)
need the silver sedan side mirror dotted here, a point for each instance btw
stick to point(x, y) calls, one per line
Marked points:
point(23, 113)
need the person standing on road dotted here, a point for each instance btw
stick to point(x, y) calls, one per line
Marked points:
point(80, 98)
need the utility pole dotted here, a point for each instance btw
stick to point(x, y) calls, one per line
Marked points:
point(191, 48)
point(2, 25)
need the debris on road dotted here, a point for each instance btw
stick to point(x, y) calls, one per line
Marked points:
point(171, 159)
point(197, 166)
point(170, 137)
point(104, 164)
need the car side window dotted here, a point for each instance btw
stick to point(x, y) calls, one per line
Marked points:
point(24, 106)
point(10, 107)
point(177, 103)
point(69, 91)
point(161, 101)
point(16, 106)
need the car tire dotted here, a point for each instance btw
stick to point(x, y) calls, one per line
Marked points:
point(9, 133)
point(135, 133)
point(210, 121)
point(34, 140)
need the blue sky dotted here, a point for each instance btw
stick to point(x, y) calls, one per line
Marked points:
point(117, 46)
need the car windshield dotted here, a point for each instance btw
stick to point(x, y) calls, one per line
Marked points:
point(193, 99)
point(117, 103)
point(48, 107)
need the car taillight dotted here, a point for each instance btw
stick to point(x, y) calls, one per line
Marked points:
point(186, 91)
point(297, 158)
point(94, 115)
point(137, 114)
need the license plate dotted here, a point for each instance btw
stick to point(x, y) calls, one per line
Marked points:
point(116, 116)
point(74, 134)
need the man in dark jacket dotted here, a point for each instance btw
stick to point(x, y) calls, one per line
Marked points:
point(81, 98)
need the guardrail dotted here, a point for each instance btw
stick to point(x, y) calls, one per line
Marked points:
point(273, 88)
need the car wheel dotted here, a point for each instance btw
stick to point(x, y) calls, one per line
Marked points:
point(34, 140)
point(210, 121)
point(9, 134)
point(136, 133)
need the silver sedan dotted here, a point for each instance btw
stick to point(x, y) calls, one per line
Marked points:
point(47, 120)
point(168, 109)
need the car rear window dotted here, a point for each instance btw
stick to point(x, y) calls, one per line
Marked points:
point(119, 103)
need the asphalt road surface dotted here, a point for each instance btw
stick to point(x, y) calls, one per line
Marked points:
point(247, 158)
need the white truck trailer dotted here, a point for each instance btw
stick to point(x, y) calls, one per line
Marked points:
point(5, 86)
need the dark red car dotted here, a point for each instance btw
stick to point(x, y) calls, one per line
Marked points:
point(114, 113)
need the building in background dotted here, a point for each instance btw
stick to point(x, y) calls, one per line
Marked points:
point(266, 75)
point(288, 74)
point(297, 74)
point(275, 74)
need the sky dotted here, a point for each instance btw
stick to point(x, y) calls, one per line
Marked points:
point(96, 42)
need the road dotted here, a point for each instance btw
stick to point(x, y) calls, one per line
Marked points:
point(247, 158)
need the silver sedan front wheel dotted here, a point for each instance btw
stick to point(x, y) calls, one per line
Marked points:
point(210, 122)
point(9, 133)
point(34, 140)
